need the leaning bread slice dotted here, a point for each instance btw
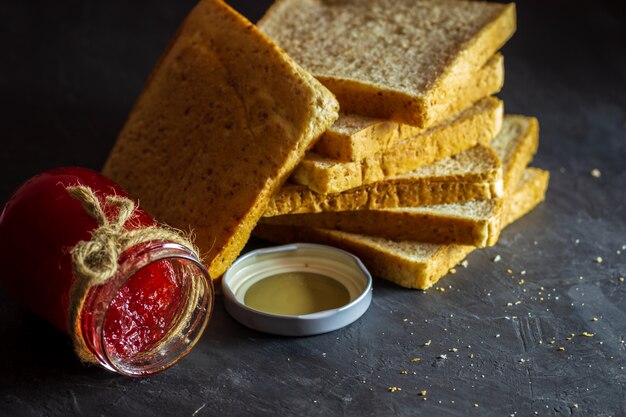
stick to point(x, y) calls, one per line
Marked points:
point(391, 59)
point(224, 118)
point(411, 264)
point(478, 124)
point(473, 174)
point(354, 137)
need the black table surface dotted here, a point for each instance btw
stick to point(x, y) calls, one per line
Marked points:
point(69, 74)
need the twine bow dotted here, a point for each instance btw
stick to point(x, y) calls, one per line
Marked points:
point(96, 261)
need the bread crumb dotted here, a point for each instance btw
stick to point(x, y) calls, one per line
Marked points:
point(404, 372)
point(621, 279)
point(453, 270)
point(394, 389)
point(416, 359)
point(497, 258)
point(596, 173)
point(552, 341)
point(471, 356)
point(465, 263)
point(476, 405)
point(587, 334)
point(594, 319)
point(454, 350)
point(422, 393)
point(427, 343)
point(599, 260)
point(521, 282)
point(561, 349)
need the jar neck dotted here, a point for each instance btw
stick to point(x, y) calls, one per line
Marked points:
point(162, 293)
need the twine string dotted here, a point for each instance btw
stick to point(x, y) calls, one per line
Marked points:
point(96, 261)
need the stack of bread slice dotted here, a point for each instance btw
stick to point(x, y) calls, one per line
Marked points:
point(422, 166)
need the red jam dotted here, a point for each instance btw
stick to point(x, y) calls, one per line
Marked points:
point(139, 315)
point(40, 225)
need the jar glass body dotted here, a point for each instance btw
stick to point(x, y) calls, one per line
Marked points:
point(40, 225)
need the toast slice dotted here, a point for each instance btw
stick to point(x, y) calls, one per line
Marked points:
point(474, 174)
point(474, 223)
point(391, 59)
point(407, 263)
point(224, 118)
point(354, 137)
point(478, 124)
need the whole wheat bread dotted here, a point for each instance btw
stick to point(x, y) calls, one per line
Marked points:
point(473, 174)
point(471, 223)
point(223, 119)
point(469, 175)
point(411, 264)
point(474, 223)
point(391, 59)
point(354, 137)
point(478, 124)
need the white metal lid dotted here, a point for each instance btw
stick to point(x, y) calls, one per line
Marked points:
point(256, 265)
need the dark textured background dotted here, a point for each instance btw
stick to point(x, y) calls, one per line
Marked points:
point(69, 73)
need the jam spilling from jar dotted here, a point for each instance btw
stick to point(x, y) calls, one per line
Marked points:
point(142, 311)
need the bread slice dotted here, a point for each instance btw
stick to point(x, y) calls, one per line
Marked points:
point(391, 59)
point(474, 223)
point(478, 124)
point(411, 264)
point(224, 118)
point(471, 223)
point(354, 137)
point(473, 174)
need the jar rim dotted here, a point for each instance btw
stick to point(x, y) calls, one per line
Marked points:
point(198, 303)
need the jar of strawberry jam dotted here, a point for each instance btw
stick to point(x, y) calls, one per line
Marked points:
point(76, 250)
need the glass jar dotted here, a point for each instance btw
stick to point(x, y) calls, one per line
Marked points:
point(145, 318)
